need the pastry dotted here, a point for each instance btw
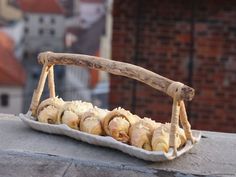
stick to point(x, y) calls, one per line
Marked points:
point(182, 137)
point(117, 123)
point(48, 109)
point(160, 139)
point(91, 121)
point(141, 133)
point(71, 113)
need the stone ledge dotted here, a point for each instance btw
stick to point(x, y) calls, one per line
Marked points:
point(28, 164)
point(41, 153)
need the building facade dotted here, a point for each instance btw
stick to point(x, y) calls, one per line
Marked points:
point(39, 27)
point(188, 41)
point(89, 32)
point(12, 78)
point(11, 99)
point(44, 29)
point(43, 21)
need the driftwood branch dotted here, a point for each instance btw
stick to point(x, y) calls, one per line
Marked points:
point(118, 68)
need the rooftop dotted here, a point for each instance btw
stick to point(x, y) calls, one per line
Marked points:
point(92, 1)
point(12, 72)
point(25, 152)
point(35, 6)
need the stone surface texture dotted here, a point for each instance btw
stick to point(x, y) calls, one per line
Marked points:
point(26, 152)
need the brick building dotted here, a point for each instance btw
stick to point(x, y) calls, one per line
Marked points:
point(193, 42)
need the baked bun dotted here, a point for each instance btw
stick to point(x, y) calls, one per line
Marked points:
point(91, 121)
point(141, 133)
point(71, 113)
point(48, 109)
point(117, 123)
point(160, 139)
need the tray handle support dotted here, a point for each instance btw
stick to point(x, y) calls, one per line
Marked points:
point(178, 112)
point(174, 91)
point(39, 90)
point(51, 82)
point(185, 123)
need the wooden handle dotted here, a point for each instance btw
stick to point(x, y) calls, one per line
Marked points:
point(119, 68)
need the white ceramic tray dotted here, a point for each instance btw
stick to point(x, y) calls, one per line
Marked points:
point(107, 141)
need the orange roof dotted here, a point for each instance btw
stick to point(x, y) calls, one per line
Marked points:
point(11, 71)
point(92, 1)
point(41, 6)
point(5, 41)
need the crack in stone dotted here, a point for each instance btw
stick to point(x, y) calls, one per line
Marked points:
point(204, 136)
point(67, 168)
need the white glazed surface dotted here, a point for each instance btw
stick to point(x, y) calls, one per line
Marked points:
point(107, 141)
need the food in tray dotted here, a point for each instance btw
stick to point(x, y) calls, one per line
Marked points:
point(91, 121)
point(71, 113)
point(117, 124)
point(160, 139)
point(141, 133)
point(48, 109)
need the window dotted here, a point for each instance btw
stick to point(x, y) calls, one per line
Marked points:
point(83, 21)
point(41, 31)
point(98, 10)
point(13, 3)
point(41, 19)
point(26, 18)
point(35, 73)
point(52, 32)
point(26, 30)
point(53, 20)
point(4, 100)
point(26, 55)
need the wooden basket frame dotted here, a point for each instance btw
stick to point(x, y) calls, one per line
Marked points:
point(178, 91)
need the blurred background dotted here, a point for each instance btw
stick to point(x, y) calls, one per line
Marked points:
point(192, 41)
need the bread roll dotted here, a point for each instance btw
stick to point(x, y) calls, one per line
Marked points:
point(141, 133)
point(117, 123)
point(48, 109)
point(71, 113)
point(160, 139)
point(91, 121)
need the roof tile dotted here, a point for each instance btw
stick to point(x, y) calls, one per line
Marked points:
point(41, 6)
point(12, 72)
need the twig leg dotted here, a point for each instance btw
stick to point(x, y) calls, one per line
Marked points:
point(38, 92)
point(51, 83)
point(174, 124)
point(185, 123)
